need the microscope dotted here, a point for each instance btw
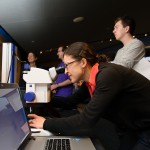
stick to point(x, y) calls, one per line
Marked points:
point(38, 84)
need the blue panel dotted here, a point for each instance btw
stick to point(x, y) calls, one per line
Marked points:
point(12, 72)
point(5, 35)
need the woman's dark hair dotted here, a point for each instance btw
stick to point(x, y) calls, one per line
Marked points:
point(79, 50)
point(127, 21)
point(103, 58)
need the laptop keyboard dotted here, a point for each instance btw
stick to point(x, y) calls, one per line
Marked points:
point(58, 144)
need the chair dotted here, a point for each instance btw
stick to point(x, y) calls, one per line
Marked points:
point(143, 67)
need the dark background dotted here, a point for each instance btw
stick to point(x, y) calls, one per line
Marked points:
point(44, 25)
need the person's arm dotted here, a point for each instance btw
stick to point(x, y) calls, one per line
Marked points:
point(36, 121)
point(108, 84)
point(61, 84)
point(80, 96)
point(131, 54)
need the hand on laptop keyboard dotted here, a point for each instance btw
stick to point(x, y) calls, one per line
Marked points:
point(36, 121)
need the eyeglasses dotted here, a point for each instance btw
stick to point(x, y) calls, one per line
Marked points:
point(66, 65)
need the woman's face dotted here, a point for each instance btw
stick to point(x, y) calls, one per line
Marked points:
point(74, 68)
point(31, 58)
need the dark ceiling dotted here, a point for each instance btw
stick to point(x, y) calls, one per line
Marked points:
point(46, 24)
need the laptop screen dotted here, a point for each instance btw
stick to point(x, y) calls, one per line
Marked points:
point(14, 127)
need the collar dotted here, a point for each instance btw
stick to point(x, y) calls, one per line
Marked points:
point(91, 84)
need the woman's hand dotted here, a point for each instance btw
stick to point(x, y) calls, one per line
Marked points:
point(36, 121)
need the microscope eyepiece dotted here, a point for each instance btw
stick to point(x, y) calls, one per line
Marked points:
point(60, 70)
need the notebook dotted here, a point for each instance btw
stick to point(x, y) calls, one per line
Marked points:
point(16, 133)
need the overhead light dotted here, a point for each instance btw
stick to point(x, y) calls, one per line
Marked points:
point(78, 19)
point(145, 34)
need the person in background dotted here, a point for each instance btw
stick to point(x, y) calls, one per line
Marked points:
point(133, 49)
point(32, 62)
point(118, 95)
point(62, 87)
point(32, 58)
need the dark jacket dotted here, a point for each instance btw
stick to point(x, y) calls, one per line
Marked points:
point(121, 95)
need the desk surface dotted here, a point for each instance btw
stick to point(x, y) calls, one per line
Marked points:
point(40, 132)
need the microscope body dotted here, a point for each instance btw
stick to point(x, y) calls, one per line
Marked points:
point(38, 85)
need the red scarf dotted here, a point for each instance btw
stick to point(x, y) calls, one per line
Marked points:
point(91, 83)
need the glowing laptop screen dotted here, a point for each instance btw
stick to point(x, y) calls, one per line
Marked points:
point(13, 127)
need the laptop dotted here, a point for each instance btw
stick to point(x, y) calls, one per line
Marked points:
point(16, 133)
